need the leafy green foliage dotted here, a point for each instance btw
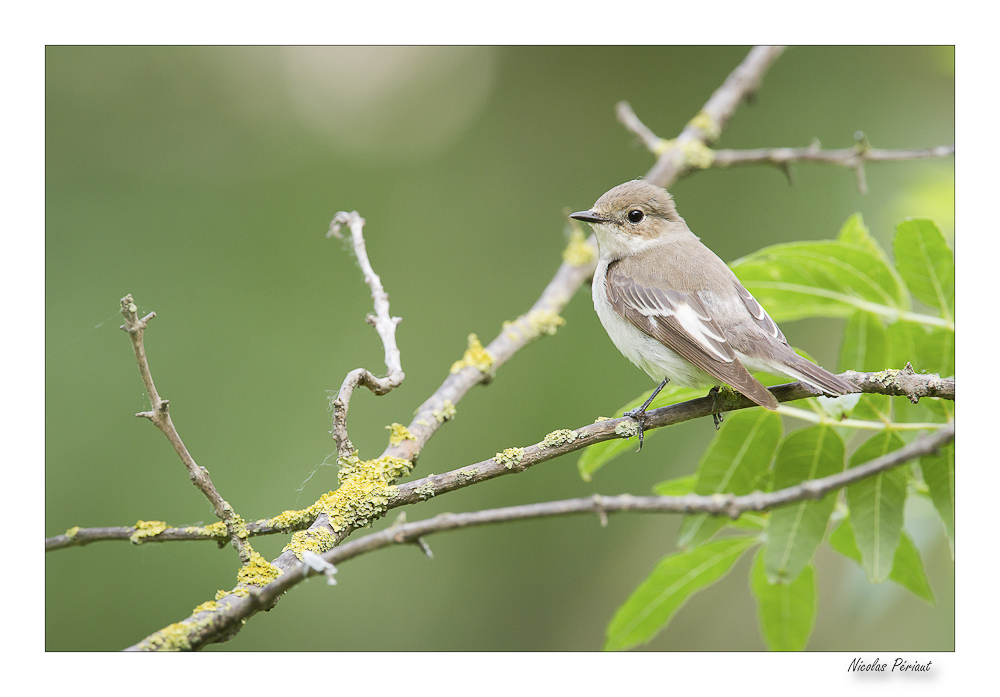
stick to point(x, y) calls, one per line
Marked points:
point(786, 611)
point(850, 277)
point(926, 264)
point(877, 506)
point(907, 566)
point(939, 476)
point(795, 531)
point(673, 580)
point(824, 279)
point(739, 454)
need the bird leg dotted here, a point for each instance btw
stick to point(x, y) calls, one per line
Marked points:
point(639, 414)
point(716, 416)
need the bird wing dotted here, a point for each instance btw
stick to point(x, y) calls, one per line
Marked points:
point(759, 313)
point(681, 323)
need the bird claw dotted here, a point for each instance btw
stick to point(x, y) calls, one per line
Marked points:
point(639, 416)
point(716, 416)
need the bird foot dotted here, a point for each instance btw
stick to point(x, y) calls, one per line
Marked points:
point(639, 416)
point(716, 416)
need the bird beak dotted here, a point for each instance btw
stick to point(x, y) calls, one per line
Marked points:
point(588, 217)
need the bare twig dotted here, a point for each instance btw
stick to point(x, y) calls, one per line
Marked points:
point(384, 324)
point(853, 158)
point(160, 416)
point(741, 84)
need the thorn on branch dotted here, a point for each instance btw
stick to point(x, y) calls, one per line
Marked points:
point(424, 547)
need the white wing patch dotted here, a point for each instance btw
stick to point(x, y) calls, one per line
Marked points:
point(691, 316)
point(760, 314)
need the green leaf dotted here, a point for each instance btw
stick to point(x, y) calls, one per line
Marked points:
point(599, 454)
point(927, 352)
point(936, 353)
point(908, 569)
point(905, 338)
point(741, 450)
point(795, 531)
point(676, 487)
point(786, 612)
point(822, 279)
point(926, 263)
point(876, 505)
point(864, 344)
point(855, 232)
point(673, 580)
point(939, 475)
point(907, 566)
point(874, 407)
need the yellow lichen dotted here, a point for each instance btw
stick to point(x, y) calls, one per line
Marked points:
point(146, 528)
point(559, 437)
point(398, 433)
point(71, 533)
point(290, 520)
point(509, 457)
point(425, 491)
point(364, 493)
point(708, 125)
point(476, 357)
point(578, 252)
point(258, 571)
point(446, 412)
point(467, 473)
point(662, 146)
point(627, 429)
point(602, 418)
point(208, 605)
point(533, 324)
point(217, 530)
point(317, 540)
point(172, 638)
point(238, 592)
point(697, 154)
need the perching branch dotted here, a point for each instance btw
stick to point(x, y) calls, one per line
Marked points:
point(902, 383)
point(727, 504)
point(160, 416)
point(853, 158)
point(384, 324)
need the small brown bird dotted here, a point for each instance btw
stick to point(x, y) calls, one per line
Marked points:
point(676, 310)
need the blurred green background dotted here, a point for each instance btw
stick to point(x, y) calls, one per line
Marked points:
point(202, 180)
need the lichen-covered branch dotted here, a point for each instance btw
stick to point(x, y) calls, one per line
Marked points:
point(191, 633)
point(903, 383)
point(687, 150)
point(384, 324)
point(160, 416)
point(853, 158)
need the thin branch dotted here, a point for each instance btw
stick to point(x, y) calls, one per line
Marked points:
point(200, 630)
point(853, 158)
point(741, 84)
point(888, 382)
point(384, 324)
point(160, 416)
point(904, 383)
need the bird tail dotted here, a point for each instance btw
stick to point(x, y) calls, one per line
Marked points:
point(823, 380)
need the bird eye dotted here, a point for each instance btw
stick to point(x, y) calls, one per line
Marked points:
point(635, 215)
